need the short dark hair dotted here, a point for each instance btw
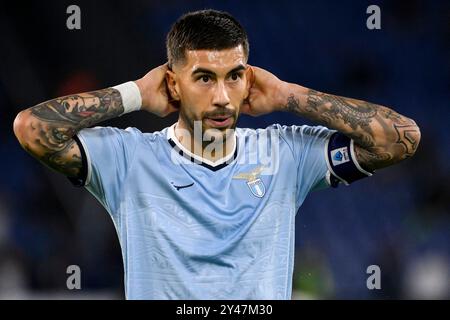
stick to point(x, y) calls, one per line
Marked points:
point(204, 30)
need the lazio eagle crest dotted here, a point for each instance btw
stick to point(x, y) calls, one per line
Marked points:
point(255, 184)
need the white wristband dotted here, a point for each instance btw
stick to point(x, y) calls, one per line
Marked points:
point(131, 96)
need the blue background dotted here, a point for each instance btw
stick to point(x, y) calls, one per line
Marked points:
point(399, 219)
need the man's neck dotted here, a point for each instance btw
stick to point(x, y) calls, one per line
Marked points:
point(204, 149)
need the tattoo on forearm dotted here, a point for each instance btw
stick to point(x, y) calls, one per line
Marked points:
point(59, 120)
point(366, 123)
point(293, 103)
point(353, 114)
point(81, 110)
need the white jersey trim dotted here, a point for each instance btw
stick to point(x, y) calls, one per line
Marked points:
point(171, 135)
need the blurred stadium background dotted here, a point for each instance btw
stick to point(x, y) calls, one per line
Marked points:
point(399, 219)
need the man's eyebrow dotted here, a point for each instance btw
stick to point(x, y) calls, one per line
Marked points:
point(238, 68)
point(206, 71)
point(202, 70)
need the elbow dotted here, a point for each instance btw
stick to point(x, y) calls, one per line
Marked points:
point(22, 127)
point(416, 136)
point(407, 140)
point(19, 126)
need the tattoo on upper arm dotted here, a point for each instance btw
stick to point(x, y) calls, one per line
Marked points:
point(59, 119)
point(370, 160)
point(66, 160)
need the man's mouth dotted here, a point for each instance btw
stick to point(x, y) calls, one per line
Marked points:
point(219, 121)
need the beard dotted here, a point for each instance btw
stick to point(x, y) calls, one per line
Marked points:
point(216, 125)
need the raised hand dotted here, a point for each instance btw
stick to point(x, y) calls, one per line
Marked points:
point(155, 95)
point(265, 93)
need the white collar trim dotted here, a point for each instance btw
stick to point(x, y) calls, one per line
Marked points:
point(171, 135)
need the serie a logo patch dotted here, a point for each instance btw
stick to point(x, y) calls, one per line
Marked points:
point(339, 156)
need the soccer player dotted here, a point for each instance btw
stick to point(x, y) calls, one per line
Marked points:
point(204, 209)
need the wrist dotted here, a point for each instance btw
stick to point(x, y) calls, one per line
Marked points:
point(291, 96)
point(131, 96)
point(282, 95)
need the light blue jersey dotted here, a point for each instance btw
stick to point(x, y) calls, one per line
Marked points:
point(192, 229)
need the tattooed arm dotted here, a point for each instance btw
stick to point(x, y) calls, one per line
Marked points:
point(46, 130)
point(382, 136)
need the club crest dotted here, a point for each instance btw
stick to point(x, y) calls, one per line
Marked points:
point(257, 187)
point(255, 184)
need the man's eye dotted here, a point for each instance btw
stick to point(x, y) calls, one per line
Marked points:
point(235, 76)
point(205, 79)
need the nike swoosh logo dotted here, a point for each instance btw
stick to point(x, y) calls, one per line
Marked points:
point(182, 187)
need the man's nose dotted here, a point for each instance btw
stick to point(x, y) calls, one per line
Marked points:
point(221, 98)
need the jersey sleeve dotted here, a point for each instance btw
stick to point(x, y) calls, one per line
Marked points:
point(323, 158)
point(308, 147)
point(107, 157)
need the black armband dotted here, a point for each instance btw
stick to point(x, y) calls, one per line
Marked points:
point(342, 162)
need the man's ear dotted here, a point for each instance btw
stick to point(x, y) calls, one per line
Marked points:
point(250, 76)
point(172, 84)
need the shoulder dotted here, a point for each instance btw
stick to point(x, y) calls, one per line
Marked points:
point(109, 131)
point(287, 131)
point(303, 130)
point(127, 133)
